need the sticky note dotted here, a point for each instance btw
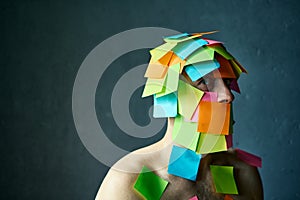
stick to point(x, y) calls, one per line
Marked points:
point(165, 106)
point(225, 70)
point(155, 70)
point(214, 118)
point(223, 179)
point(210, 143)
point(229, 142)
point(211, 42)
point(188, 99)
point(153, 86)
point(149, 185)
point(175, 59)
point(171, 82)
point(165, 59)
point(200, 55)
point(186, 48)
point(249, 158)
point(161, 50)
point(198, 70)
point(185, 133)
point(194, 198)
point(184, 163)
point(220, 49)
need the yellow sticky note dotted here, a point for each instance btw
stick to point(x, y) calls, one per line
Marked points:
point(161, 50)
point(171, 82)
point(209, 143)
point(185, 133)
point(155, 70)
point(153, 86)
point(188, 99)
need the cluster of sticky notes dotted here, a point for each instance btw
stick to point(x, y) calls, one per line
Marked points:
point(149, 185)
point(184, 163)
point(194, 55)
point(224, 179)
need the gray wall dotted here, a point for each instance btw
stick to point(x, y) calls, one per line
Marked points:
point(43, 43)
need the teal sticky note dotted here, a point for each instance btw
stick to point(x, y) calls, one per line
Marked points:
point(184, 163)
point(165, 106)
point(149, 185)
point(198, 70)
point(224, 179)
point(186, 48)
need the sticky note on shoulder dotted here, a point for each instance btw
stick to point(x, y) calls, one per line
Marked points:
point(184, 163)
point(149, 185)
point(223, 179)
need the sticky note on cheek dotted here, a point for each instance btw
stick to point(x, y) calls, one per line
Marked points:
point(214, 118)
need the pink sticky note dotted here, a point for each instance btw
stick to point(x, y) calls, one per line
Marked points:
point(249, 158)
point(211, 42)
point(229, 140)
point(234, 86)
point(194, 198)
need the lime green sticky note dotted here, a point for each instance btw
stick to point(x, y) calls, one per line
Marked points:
point(202, 54)
point(188, 99)
point(153, 86)
point(209, 143)
point(222, 51)
point(224, 179)
point(171, 82)
point(185, 133)
point(161, 50)
point(149, 185)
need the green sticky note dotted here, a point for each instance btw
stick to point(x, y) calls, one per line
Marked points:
point(153, 86)
point(200, 55)
point(185, 133)
point(188, 99)
point(224, 179)
point(149, 185)
point(222, 51)
point(161, 50)
point(171, 82)
point(209, 143)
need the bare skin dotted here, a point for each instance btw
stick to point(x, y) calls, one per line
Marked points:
point(119, 181)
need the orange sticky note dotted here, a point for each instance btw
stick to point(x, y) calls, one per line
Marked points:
point(165, 60)
point(225, 70)
point(228, 197)
point(214, 118)
point(175, 59)
point(155, 70)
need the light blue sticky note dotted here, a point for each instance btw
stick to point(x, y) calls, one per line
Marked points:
point(177, 36)
point(186, 48)
point(165, 106)
point(184, 163)
point(198, 70)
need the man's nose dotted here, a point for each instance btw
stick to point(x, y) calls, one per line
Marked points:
point(224, 93)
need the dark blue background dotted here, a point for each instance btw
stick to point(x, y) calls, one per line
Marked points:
point(43, 44)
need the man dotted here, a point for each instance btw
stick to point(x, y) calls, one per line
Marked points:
point(198, 107)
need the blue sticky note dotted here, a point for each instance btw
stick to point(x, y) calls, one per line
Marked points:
point(177, 36)
point(198, 70)
point(184, 49)
point(165, 106)
point(184, 163)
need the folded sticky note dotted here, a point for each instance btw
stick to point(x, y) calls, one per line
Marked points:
point(184, 163)
point(200, 55)
point(249, 158)
point(149, 185)
point(185, 133)
point(155, 70)
point(220, 49)
point(225, 70)
point(223, 179)
point(171, 82)
point(210, 143)
point(165, 106)
point(198, 70)
point(186, 48)
point(188, 99)
point(153, 86)
point(214, 118)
